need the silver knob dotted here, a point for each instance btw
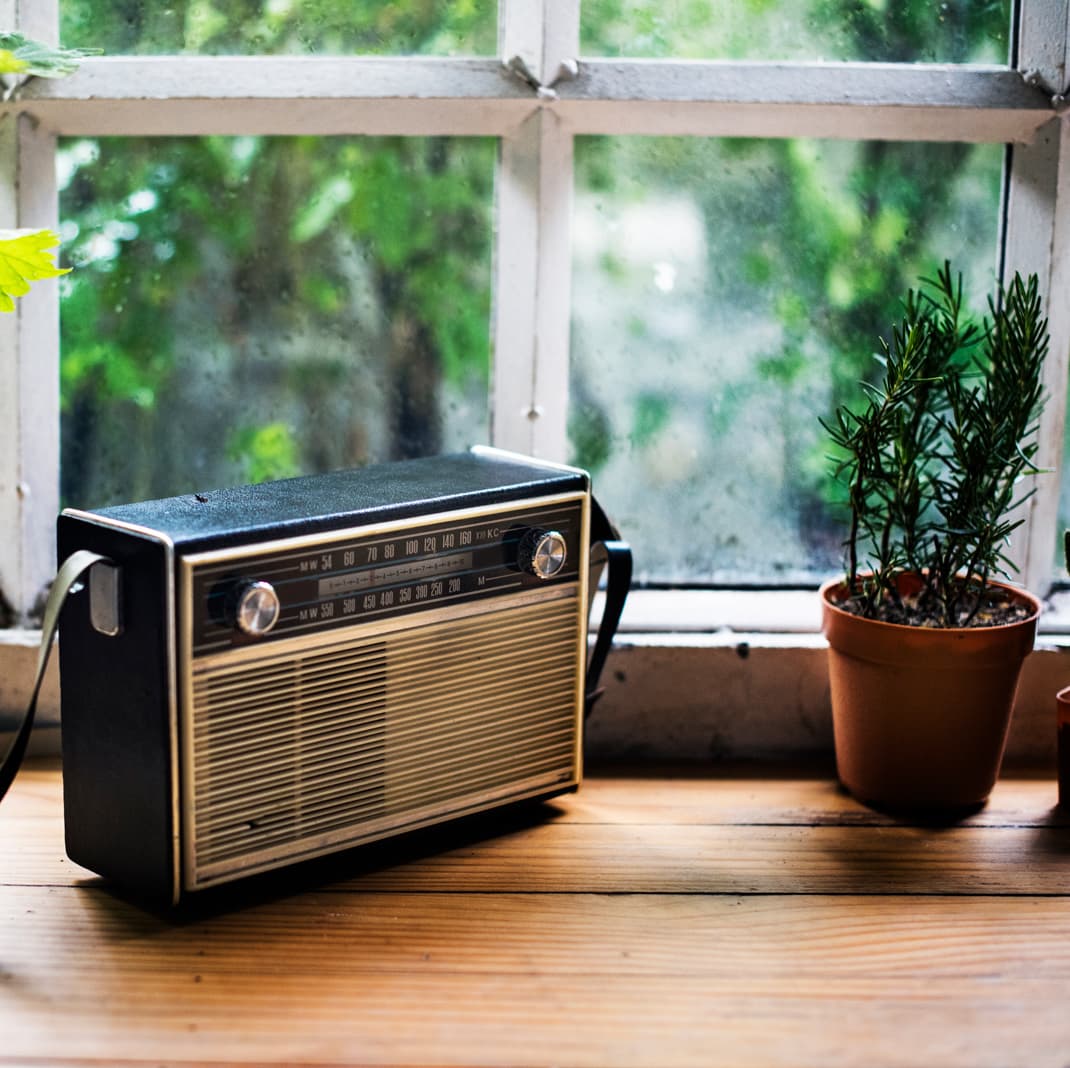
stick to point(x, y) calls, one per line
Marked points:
point(256, 608)
point(543, 553)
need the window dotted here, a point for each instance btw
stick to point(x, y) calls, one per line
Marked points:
point(637, 305)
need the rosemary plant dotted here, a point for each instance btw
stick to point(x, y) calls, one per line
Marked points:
point(934, 462)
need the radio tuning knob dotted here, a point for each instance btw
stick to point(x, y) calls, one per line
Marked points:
point(255, 608)
point(542, 553)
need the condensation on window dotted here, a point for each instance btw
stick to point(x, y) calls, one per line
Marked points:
point(727, 295)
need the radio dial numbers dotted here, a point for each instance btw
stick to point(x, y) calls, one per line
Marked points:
point(253, 608)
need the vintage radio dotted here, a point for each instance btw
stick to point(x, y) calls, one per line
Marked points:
point(258, 676)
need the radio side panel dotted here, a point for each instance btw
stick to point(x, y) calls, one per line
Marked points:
point(117, 715)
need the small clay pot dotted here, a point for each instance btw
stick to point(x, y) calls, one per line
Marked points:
point(920, 715)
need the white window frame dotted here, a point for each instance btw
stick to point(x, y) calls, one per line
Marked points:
point(536, 97)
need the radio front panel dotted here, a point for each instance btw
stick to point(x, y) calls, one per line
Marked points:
point(407, 674)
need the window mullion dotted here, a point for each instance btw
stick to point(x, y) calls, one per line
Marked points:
point(543, 36)
point(532, 286)
point(38, 19)
point(1042, 42)
point(29, 351)
point(539, 42)
point(1037, 240)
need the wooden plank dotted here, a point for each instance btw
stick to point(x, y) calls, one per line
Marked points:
point(503, 979)
point(727, 860)
point(687, 835)
point(737, 794)
point(518, 934)
point(539, 1020)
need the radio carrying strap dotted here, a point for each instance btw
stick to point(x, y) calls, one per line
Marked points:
point(618, 558)
point(72, 569)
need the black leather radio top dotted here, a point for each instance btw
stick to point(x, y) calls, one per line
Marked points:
point(378, 493)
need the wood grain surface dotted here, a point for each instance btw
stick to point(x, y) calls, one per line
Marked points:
point(744, 918)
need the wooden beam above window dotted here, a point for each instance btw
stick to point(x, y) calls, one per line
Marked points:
point(181, 95)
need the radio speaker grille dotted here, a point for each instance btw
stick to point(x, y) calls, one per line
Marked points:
point(295, 753)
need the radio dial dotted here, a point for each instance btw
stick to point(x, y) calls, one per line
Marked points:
point(542, 553)
point(256, 608)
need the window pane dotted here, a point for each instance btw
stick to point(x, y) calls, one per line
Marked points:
point(249, 308)
point(914, 31)
point(727, 294)
point(276, 27)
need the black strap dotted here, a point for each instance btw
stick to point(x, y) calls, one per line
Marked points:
point(618, 581)
point(69, 573)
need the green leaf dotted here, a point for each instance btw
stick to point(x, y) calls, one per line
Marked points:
point(11, 64)
point(21, 55)
point(23, 260)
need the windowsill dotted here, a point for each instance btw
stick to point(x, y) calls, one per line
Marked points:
point(696, 675)
point(671, 613)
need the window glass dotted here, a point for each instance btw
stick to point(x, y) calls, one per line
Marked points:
point(275, 27)
point(726, 295)
point(247, 308)
point(899, 31)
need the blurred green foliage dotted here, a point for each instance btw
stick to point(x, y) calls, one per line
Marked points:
point(278, 27)
point(265, 452)
point(892, 31)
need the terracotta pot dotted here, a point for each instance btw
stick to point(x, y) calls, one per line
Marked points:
point(920, 715)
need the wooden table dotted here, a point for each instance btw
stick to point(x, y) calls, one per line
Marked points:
point(696, 917)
